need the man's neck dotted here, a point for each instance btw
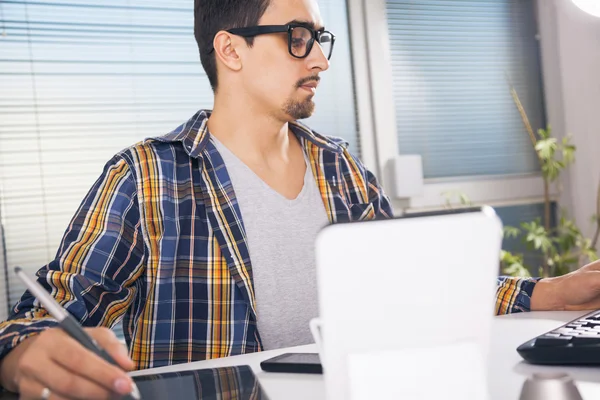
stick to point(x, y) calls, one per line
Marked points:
point(253, 136)
point(260, 140)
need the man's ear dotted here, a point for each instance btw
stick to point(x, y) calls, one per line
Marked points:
point(226, 46)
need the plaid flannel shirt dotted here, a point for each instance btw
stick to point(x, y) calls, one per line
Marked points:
point(159, 242)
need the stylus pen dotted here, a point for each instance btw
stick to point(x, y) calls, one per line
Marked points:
point(69, 324)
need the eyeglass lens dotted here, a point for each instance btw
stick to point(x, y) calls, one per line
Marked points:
point(301, 39)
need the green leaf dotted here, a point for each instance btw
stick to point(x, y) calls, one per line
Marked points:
point(517, 270)
point(568, 236)
point(511, 232)
point(569, 259)
point(551, 169)
point(566, 141)
point(561, 270)
point(464, 199)
point(546, 148)
point(538, 240)
point(449, 196)
point(568, 154)
point(533, 225)
point(513, 264)
point(566, 242)
point(544, 134)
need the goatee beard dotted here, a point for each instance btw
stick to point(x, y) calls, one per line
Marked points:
point(300, 109)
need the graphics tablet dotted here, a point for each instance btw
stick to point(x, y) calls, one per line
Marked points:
point(226, 383)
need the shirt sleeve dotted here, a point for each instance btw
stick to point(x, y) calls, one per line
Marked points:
point(93, 275)
point(513, 295)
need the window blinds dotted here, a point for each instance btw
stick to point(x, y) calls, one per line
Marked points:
point(81, 80)
point(450, 62)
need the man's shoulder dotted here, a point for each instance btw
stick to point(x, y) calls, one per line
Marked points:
point(177, 146)
point(150, 149)
point(341, 142)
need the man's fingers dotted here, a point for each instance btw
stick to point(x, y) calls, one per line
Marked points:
point(81, 362)
point(64, 383)
point(107, 339)
point(33, 390)
point(55, 361)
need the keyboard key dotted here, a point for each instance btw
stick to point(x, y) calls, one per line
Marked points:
point(564, 331)
point(552, 341)
point(585, 340)
point(587, 330)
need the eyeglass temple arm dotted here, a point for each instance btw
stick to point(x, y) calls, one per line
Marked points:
point(258, 30)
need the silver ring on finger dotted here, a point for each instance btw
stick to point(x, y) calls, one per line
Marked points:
point(45, 394)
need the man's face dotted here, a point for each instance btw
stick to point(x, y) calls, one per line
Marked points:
point(284, 86)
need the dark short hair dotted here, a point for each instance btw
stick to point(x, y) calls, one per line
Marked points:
point(212, 16)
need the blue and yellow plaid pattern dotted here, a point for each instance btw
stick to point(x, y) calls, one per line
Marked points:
point(159, 242)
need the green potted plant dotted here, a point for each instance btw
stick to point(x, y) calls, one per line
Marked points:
point(562, 247)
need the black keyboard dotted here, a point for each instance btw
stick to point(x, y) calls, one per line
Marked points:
point(574, 343)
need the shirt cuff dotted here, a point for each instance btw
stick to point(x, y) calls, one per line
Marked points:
point(514, 294)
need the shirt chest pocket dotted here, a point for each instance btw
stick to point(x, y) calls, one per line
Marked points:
point(362, 212)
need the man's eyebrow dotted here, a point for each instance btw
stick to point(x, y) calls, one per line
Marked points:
point(309, 24)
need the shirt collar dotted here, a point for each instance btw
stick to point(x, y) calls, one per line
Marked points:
point(194, 135)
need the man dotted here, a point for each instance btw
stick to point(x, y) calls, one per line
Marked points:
point(202, 239)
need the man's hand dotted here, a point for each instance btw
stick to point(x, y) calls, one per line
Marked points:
point(55, 361)
point(578, 290)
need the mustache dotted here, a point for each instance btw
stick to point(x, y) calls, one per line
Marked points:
point(304, 81)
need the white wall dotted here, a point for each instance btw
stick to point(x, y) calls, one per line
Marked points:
point(570, 41)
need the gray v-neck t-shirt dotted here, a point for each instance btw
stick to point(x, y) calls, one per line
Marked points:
point(281, 237)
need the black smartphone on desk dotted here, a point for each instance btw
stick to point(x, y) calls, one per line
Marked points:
point(295, 363)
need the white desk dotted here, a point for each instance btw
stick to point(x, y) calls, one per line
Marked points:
point(507, 371)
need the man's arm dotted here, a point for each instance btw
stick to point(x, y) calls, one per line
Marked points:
point(100, 257)
point(576, 291)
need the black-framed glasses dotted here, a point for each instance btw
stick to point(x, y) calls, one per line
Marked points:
point(300, 37)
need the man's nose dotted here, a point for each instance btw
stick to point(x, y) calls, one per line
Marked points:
point(317, 58)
